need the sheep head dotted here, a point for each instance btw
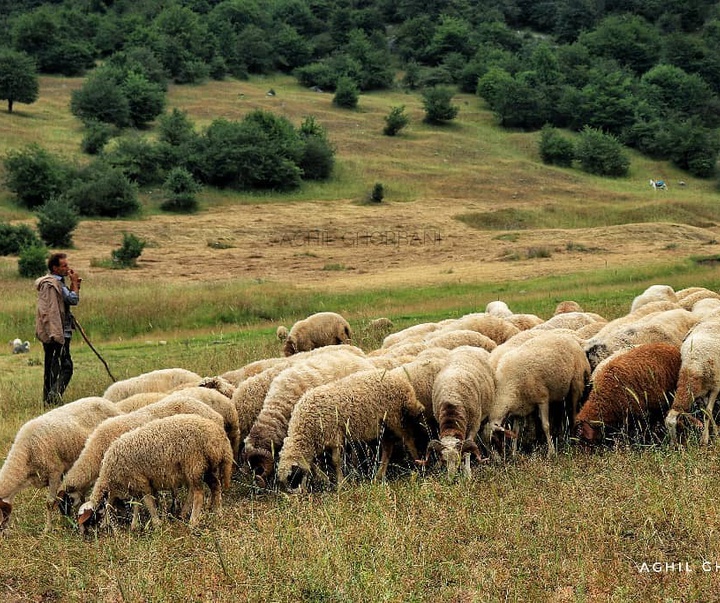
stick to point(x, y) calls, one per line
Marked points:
point(5, 510)
point(90, 515)
point(281, 333)
point(589, 432)
point(67, 501)
point(261, 462)
point(294, 478)
point(290, 346)
point(219, 384)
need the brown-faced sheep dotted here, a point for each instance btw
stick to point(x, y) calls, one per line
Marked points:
point(315, 331)
point(543, 373)
point(699, 378)
point(632, 389)
point(362, 407)
point(462, 394)
point(46, 447)
point(165, 454)
point(161, 380)
point(566, 306)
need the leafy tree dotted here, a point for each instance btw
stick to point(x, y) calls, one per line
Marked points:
point(102, 190)
point(176, 128)
point(97, 135)
point(601, 154)
point(101, 98)
point(180, 189)
point(452, 34)
point(18, 79)
point(291, 49)
point(438, 106)
point(555, 149)
point(127, 254)
point(395, 121)
point(13, 239)
point(146, 100)
point(34, 175)
point(32, 262)
point(56, 221)
point(347, 93)
point(143, 161)
point(318, 158)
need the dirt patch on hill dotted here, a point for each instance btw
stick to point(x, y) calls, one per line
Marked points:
point(352, 246)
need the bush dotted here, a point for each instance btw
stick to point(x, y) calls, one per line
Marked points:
point(601, 154)
point(97, 135)
point(555, 149)
point(56, 221)
point(438, 106)
point(378, 193)
point(318, 159)
point(32, 262)
point(13, 239)
point(395, 121)
point(127, 254)
point(141, 160)
point(101, 98)
point(104, 191)
point(347, 94)
point(180, 188)
point(34, 175)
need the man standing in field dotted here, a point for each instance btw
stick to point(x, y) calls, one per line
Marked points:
point(54, 324)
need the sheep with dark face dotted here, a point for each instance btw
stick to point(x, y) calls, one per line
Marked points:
point(165, 454)
point(462, 393)
point(315, 331)
point(632, 389)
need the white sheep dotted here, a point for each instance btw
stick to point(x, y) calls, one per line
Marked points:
point(161, 380)
point(517, 340)
point(498, 308)
point(315, 331)
point(566, 306)
point(46, 447)
point(462, 393)
point(361, 407)
point(237, 376)
point(704, 308)
point(701, 294)
point(570, 320)
point(543, 373)
point(652, 294)
point(453, 338)
point(494, 327)
point(270, 428)
point(140, 400)
point(165, 454)
point(699, 378)
point(79, 479)
point(524, 321)
point(410, 334)
point(19, 346)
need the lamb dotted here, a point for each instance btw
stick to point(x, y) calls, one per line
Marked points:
point(167, 453)
point(632, 388)
point(462, 393)
point(317, 330)
point(19, 346)
point(360, 407)
point(46, 447)
point(543, 373)
point(652, 294)
point(670, 327)
point(83, 473)
point(270, 428)
point(498, 308)
point(564, 307)
point(161, 380)
point(699, 378)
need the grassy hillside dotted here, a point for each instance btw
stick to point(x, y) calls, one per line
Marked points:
point(578, 528)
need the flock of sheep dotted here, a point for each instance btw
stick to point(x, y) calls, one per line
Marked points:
point(475, 387)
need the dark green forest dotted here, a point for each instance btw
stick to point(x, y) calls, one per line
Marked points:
point(646, 73)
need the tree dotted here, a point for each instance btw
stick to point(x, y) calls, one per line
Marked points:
point(601, 154)
point(346, 93)
point(395, 121)
point(180, 189)
point(18, 78)
point(56, 221)
point(146, 99)
point(438, 106)
point(555, 149)
point(34, 175)
point(101, 98)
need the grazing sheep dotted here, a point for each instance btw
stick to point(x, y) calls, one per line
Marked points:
point(361, 407)
point(165, 454)
point(564, 307)
point(652, 294)
point(315, 331)
point(380, 324)
point(161, 380)
point(237, 376)
point(409, 334)
point(570, 320)
point(497, 329)
point(270, 428)
point(699, 379)
point(524, 321)
point(523, 336)
point(140, 400)
point(705, 308)
point(454, 338)
point(46, 447)
point(462, 393)
point(545, 372)
point(282, 333)
point(20, 347)
point(632, 388)
point(670, 326)
point(79, 479)
point(498, 308)
point(688, 301)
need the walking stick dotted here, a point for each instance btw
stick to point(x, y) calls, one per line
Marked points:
point(85, 337)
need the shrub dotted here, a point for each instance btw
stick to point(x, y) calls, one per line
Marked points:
point(141, 160)
point(34, 175)
point(438, 106)
point(347, 93)
point(57, 219)
point(378, 193)
point(180, 188)
point(395, 121)
point(601, 154)
point(318, 159)
point(103, 190)
point(13, 239)
point(101, 98)
point(555, 149)
point(127, 254)
point(32, 262)
point(97, 135)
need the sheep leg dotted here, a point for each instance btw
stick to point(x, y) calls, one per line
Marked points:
point(336, 457)
point(386, 448)
point(53, 487)
point(544, 412)
point(149, 501)
point(197, 504)
point(709, 420)
point(466, 465)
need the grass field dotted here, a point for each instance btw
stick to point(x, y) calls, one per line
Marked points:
point(632, 524)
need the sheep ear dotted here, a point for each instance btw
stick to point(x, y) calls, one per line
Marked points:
point(59, 498)
point(84, 516)
point(5, 510)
